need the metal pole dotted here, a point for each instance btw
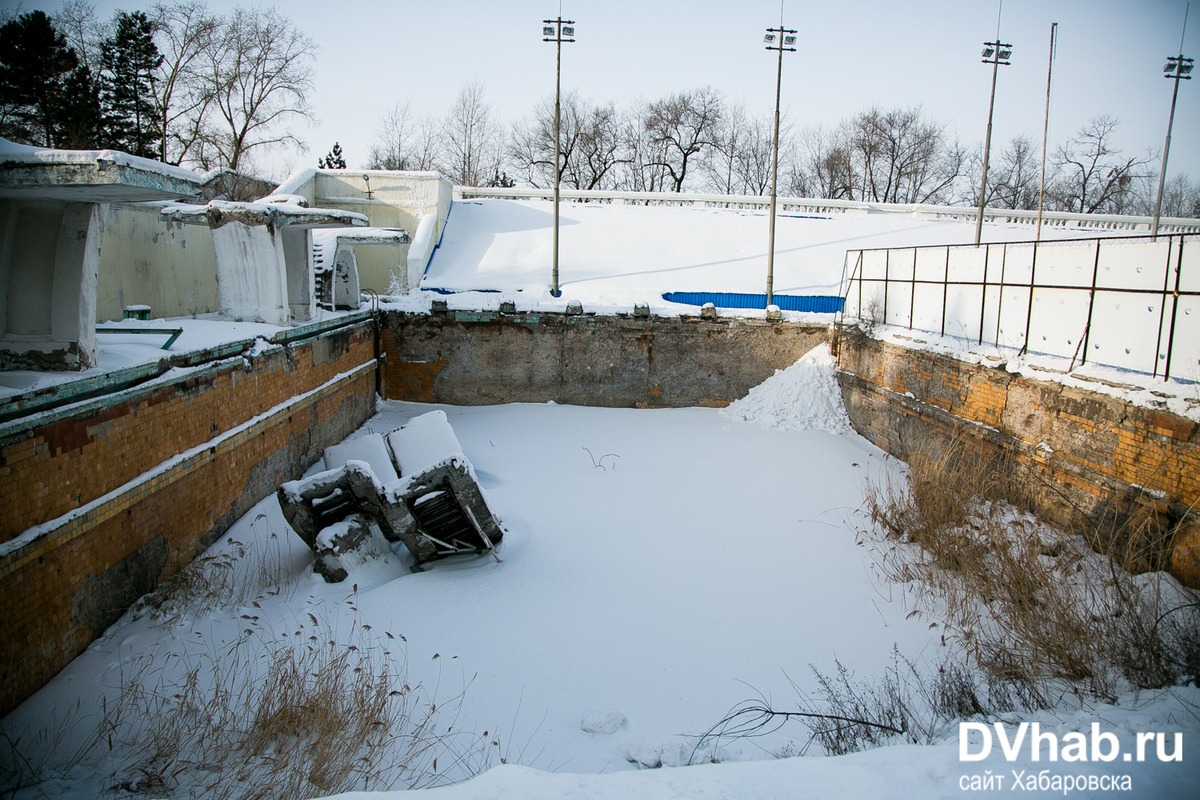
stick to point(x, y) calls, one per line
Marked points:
point(1045, 132)
point(987, 144)
point(1162, 174)
point(783, 41)
point(774, 183)
point(554, 290)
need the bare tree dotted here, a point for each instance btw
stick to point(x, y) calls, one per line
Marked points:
point(720, 166)
point(404, 142)
point(1013, 176)
point(470, 139)
point(260, 72)
point(1181, 197)
point(902, 157)
point(77, 21)
point(682, 127)
point(824, 166)
point(645, 166)
point(590, 144)
point(185, 32)
point(1093, 175)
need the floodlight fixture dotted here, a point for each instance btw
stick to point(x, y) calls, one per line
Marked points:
point(994, 53)
point(557, 30)
point(779, 39)
point(1176, 69)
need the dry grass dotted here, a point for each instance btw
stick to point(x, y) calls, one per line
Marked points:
point(234, 577)
point(319, 708)
point(303, 716)
point(1035, 608)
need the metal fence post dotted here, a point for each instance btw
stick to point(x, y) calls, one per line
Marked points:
point(1029, 311)
point(1174, 309)
point(983, 291)
point(912, 295)
point(1162, 310)
point(887, 268)
point(1087, 328)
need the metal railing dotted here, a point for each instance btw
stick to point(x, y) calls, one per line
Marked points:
point(808, 205)
point(1127, 302)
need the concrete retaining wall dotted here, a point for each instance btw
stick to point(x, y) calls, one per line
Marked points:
point(481, 357)
point(98, 498)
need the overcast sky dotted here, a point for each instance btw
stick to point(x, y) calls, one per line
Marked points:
point(851, 54)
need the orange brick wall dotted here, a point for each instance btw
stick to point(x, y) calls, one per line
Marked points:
point(1093, 449)
point(47, 470)
point(49, 587)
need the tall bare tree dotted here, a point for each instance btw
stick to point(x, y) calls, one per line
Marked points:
point(590, 143)
point(824, 165)
point(85, 32)
point(1093, 176)
point(261, 73)
point(404, 142)
point(185, 33)
point(1013, 176)
point(471, 139)
point(903, 157)
point(683, 126)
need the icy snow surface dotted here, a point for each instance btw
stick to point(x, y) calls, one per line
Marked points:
point(426, 441)
point(805, 396)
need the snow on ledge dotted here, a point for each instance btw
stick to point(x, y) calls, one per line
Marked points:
point(11, 152)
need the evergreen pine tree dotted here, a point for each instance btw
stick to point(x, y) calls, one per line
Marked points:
point(333, 160)
point(46, 97)
point(128, 60)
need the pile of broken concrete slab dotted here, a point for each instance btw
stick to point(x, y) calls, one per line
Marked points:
point(414, 486)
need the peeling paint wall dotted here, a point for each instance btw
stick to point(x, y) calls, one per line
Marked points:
point(146, 260)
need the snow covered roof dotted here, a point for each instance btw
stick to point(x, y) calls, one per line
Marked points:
point(219, 212)
point(96, 176)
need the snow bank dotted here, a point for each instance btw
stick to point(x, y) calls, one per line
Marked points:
point(803, 397)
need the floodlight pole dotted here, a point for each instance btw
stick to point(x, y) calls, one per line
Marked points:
point(1045, 132)
point(781, 32)
point(995, 61)
point(558, 42)
point(1177, 75)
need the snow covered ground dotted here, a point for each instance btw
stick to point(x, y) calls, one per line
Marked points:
point(613, 255)
point(659, 567)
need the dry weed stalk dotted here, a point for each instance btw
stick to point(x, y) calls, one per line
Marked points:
point(1030, 605)
point(302, 716)
point(312, 711)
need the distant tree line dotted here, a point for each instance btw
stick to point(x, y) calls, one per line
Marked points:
point(186, 86)
point(176, 83)
point(695, 140)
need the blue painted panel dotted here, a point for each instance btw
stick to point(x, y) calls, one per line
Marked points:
point(820, 304)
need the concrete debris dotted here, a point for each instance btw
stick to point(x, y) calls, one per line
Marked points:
point(428, 499)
